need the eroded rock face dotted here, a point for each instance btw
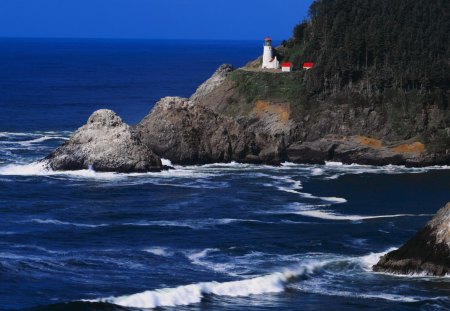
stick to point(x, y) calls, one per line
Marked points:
point(185, 133)
point(428, 252)
point(218, 124)
point(104, 143)
point(357, 149)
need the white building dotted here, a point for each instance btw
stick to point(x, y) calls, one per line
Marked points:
point(286, 67)
point(269, 62)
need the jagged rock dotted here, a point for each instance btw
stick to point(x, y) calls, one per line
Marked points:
point(105, 143)
point(428, 252)
point(212, 83)
point(185, 133)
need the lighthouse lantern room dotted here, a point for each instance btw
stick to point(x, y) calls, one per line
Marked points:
point(269, 61)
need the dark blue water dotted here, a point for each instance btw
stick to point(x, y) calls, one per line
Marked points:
point(214, 237)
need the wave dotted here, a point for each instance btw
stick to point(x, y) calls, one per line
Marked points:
point(356, 295)
point(62, 223)
point(333, 216)
point(194, 176)
point(159, 251)
point(295, 185)
point(308, 211)
point(41, 139)
point(40, 169)
point(195, 224)
point(194, 293)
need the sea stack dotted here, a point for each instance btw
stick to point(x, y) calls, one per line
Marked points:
point(107, 144)
point(427, 253)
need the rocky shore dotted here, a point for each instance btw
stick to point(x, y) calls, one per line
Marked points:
point(427, 253)
point(220, 123)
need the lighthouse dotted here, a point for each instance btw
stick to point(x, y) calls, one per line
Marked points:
point(269, 62)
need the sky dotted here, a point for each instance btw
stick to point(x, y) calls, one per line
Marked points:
point(153, 19)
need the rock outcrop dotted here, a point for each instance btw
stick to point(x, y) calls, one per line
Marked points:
point(358, 149)
point(104, 143)
point(256, 117)
point(185, 133)
point(217, 79)
point(427, 253)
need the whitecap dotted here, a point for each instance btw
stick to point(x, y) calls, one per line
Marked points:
point(317, 171)
point(166, 162)
point(159, 251)
point(194, 293)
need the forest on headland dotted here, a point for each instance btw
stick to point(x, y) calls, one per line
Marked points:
point(372, 46)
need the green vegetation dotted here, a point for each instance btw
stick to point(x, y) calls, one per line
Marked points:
point(256, 85)
point(374, 45)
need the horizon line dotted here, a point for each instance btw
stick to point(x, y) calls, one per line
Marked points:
point(133, 38)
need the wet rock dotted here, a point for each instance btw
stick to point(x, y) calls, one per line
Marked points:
point(104, 143)
point(427, 253)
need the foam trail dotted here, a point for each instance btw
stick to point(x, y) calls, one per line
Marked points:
point(194, 293)
point(40, 169)
point(63, 223)
point(334, 216)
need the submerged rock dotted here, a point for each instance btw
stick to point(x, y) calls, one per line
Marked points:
point(428, 252)
point(104, 143)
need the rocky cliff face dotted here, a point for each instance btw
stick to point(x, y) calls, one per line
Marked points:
point(261, 117)
point(428, 252)
point(186, 133)
point(105, 143)
point(353, 129)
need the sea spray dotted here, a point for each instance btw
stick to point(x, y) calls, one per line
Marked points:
point(194, 293)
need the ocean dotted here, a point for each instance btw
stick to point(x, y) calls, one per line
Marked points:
point(213, 237)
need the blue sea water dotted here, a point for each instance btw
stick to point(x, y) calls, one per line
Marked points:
point(213, 237)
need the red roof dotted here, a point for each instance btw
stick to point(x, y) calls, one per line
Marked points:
point(268, 39)
point(286, 64)
point(308, 65)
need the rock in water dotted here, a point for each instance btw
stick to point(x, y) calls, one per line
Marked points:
point(185, 133)
point(428, 252)
point(106, 144)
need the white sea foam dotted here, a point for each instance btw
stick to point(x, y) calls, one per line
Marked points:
point(40, 169)
point(62, 223)
point(166, 162)
point(41, 139)
point(159, 251)
point(333, 216)
point(195, 224)
point(317, 171)
point(345, 293)
point(368, 261)
point(315, 212)
point(194, 293)
point(167, 223)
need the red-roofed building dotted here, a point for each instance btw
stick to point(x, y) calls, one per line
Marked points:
point(308, 65)
point(286, 67)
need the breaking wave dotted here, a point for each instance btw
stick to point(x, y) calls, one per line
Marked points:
point(194, 293)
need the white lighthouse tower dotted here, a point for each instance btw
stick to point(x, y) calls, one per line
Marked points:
point(269, 62)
